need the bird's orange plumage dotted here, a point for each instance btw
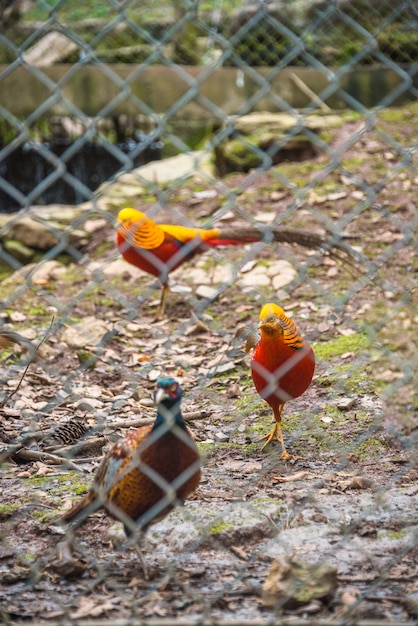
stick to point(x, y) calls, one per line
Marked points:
point(282, 365)
point(158, 249)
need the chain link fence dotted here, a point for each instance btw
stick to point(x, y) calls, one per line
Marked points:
point(265, 117)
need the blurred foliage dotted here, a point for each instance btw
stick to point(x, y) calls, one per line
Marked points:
point(194, 33)
point(359, 32)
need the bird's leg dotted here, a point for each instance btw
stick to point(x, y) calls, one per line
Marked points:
point(161, 308)
point(134, 536)
point(277, 433)
point(142, 561)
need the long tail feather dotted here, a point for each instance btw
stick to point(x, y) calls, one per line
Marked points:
point(307, 239)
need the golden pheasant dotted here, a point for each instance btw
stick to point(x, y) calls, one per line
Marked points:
point(146, 474)
point(158, 249)
point(282, 365)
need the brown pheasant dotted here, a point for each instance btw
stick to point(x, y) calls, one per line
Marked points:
point(146, 474)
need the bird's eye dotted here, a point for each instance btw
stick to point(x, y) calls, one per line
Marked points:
point(173, 388)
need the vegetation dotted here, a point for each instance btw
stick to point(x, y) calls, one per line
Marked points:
point(288, 35)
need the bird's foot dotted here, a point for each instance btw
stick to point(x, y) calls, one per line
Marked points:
point(275, 434)
point(286, 456)
point(268, 437)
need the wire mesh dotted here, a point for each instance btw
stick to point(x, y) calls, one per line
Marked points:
point(296, 121)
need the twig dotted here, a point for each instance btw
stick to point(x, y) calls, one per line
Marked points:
point(34, 455)
point(32, 358)
point(144, 421)
point(371, 578)
point(76, 448)
point(294, 477)
point(308, 92)
point(87, 459)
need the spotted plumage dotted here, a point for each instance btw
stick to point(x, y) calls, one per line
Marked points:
point(147, 473)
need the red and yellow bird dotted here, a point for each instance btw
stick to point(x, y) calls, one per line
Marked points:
point(282, 365)
point(158, 249)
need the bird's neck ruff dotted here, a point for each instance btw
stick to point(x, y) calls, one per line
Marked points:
point(281, 329)
point(143, 233)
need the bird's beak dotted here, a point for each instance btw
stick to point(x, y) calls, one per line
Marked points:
point(160, 395)
point(269, 327)
point(264, 324)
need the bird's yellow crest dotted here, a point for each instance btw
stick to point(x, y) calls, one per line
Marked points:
point(140, 230)
point(275, 323)
point(271, 310)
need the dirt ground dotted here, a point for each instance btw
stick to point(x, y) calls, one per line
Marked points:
point(349, 498)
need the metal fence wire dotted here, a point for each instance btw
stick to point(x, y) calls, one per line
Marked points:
point(288, 132)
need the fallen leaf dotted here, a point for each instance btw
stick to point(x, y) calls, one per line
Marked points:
point(356, 482)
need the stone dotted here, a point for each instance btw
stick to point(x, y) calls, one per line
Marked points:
point(45, 234)
point(157, 172)
point(89, 332)
point(281, 280)
point(292, 583)
point(204, 291)
point(280, 267)
point(121, 268)
point(255, 278)
point(31, 233)
point(52, 48)
point(37, 273)
point(344, 404)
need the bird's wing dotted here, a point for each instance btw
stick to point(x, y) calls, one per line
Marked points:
point(183, 234)
point(9, 337)
point(249, 335)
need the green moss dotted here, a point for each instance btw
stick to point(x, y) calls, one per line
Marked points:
point(261, 502)
point(58, 485)
point(35, 481)
point(219, 526)
point(7, 510)
point(208, 263)
point(394, 535)
point(80, 490)
point(249, 405)
point(355, 343)
point(44, 517)
point(302, 170)
point(359, 380)
point(37, 310)
point(395, 115)
point(369, 449)
point(354, 163)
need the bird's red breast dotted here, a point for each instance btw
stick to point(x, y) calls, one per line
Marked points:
point(158, 248)
point(158, 261)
